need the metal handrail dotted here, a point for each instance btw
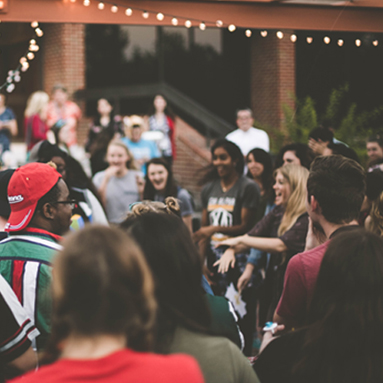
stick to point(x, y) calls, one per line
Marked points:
point(206, 122)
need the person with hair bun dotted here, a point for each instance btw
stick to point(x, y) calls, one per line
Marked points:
point(184, 322)
point(103, 313)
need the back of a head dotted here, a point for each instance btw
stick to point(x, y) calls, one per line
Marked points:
point(47, 151)
point(348, 299)
point(176, 266)
point(323, 134)
point(344, 151)
point(338, 184)
point(102, 286)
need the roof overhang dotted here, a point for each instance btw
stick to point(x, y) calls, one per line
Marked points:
point(326, 15)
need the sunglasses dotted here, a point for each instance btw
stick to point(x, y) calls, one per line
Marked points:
point(72, 203)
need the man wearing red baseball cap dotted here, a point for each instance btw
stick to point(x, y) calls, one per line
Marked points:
point(40, 213)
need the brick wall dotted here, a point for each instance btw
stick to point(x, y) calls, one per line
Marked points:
point(193, 155)
point(63, 61)
point(272, 77)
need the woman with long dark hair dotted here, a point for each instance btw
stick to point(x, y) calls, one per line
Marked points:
point(106, 127)
point(162, 120)
point(343, 339)
point(160, 183)
point(297, 154)
point(183, 320)
point(104, 312)
point(230, 201)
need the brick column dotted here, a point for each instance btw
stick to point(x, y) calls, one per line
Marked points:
point(272, 77)
point(63, 61)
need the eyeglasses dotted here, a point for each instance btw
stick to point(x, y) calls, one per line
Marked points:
point(72, 203)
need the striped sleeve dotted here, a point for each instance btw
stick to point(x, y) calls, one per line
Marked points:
point(16, 330)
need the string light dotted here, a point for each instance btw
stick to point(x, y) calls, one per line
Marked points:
point(280, 35)
point(202, 26)
point(358, 43)
point(188, 24)
point(128, 12)
point(375, 43)
point(309, 40)
point(231, 28)
point(293, 38)
point(114, 8)
point(174, 21)
point(219, 23)
point(14, 75)
point(263, 33)
point(160, 16)
point(145, 15)
point(101, 6)
point(72, 1)
point(340, 42)
point(248, 33)
point(86, 3)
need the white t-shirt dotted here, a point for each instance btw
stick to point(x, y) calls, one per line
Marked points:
point(252, 138)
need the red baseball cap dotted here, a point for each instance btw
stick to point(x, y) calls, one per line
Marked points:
point(27, 185)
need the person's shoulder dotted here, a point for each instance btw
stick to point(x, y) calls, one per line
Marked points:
point(233, 134)
point(309, 256)
point(99, 176)
point(183, 193)
point(258, 131)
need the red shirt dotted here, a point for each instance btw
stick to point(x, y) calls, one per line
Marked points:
point(121, 366)
point(300, 280)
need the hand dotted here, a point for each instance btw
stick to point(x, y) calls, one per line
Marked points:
point(317, 147)
point(204, 232)
point(244, 279)
point(232, 242)
point(226, 261)
point(269, 336)
point(111, 171)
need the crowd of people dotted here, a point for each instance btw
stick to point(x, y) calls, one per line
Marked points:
point(105, 275)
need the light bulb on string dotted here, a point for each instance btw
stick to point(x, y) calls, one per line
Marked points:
point(219, 23)
point(32, 42)
point(86, 3)
point(340, 42)
point(174, 21)
point(101, 6)
point(72, 1)
point(114, 8)
point(23, 60)
point(128, 12)
point(30, 55)
point(34, 48)
point(160, 16)
point(327, 40)
point(34, 24)
point(375, 43)
point(10, 88)
point(263, 33)
point(202, 26)
point(39, 32)
point(25, 66)
point(279, 35)
point(9, 79)
point(358, 43)
point(309, 40)
point(17, 77)
point(188, 24)
point(231, 28)
point(248, 33)
point(145, 15)
point(293, 38)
